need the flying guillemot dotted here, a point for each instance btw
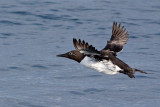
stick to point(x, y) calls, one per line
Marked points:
point(104, 61)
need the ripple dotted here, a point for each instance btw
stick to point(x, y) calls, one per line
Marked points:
point(56, 65)
point(20, 54)
point(148, 10)
point(81, 8)
point(76, 93)
point(6, 35)
point(28, 3)
point(139, 19)
point(158, 34)
point(69, 27)
point(50, 2)
point(7, 22)
point(39, 66)
point(3, 37)
point(79, 22)
point(92, 90)
point(101, 28)
point(117, 13)
point(157, 7)
point(15, 68)
point(144, 53)
point(49, 16)
point(142, 76)
point(95, 76)
point(144, 48)
point(57, 25)
point(21, 13)
point(74, 19)
point(154, 22)
point(145, 36)
point(54, 10)
point(133, 37)
point(39, 24)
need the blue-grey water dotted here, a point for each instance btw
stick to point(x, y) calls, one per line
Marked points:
point(33, 32)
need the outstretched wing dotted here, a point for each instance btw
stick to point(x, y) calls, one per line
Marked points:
point(85, 48)
point(118, 39)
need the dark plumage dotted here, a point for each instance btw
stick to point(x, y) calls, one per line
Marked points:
point(118, 39)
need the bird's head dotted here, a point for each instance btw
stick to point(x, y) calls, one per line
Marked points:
point(74, 55)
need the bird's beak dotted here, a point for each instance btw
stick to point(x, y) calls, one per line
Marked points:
point(62, 55)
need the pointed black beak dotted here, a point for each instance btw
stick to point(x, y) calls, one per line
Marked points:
point(61, 55)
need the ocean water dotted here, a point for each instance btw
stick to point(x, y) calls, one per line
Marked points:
point(33, 32)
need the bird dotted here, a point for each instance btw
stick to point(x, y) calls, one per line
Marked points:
point(105, 60)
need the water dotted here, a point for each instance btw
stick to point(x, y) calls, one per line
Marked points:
point(33, 32)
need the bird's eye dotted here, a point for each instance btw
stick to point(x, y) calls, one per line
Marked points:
point(70, 53)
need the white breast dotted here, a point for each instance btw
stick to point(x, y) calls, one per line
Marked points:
point(106, 67)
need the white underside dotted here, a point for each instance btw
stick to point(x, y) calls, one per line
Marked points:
point(105, 66)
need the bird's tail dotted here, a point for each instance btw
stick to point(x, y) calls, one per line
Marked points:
point(137, 70)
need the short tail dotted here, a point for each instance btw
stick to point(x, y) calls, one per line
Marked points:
point(137, 70)
point(131, 73)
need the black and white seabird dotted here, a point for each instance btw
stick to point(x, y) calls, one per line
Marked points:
point(106, 60)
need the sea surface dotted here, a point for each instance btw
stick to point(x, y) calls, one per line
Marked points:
point(33, 32)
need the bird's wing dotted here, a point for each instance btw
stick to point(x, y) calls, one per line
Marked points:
point(85, 48)
point(118, 39)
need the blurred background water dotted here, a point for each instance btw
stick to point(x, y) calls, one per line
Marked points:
point(33, 32)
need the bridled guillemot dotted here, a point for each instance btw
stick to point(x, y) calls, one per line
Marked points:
point(104, 61)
